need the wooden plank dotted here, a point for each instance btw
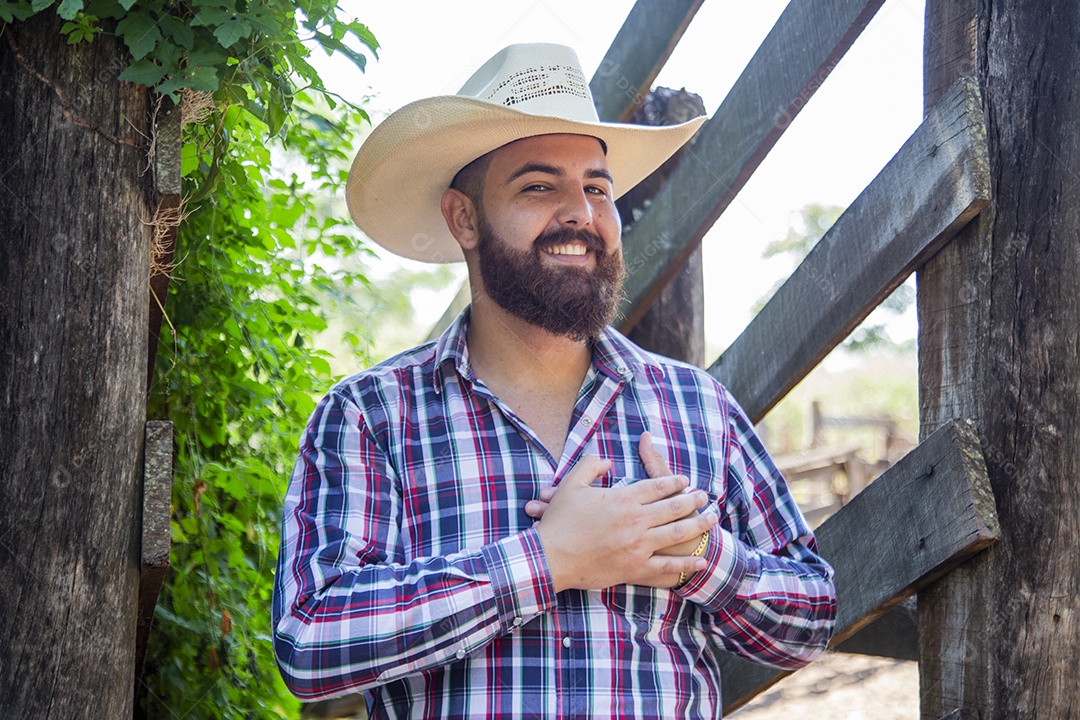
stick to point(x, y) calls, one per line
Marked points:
point(156, 535)
point(930, 189)
point(637, 54)
point(924, 516)
point(893, 635)
point(804, 46)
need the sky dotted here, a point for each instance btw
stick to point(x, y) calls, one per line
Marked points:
point(857, 120)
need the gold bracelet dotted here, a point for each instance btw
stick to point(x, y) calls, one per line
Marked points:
point(697, 553)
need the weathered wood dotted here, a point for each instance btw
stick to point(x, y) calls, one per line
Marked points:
point(930, 189)
point(927, 514)
point(638, 53)
point(156, 533)
point(74, 264)
point(807, 42)
point(168, 142)
point(998, 316)
point(893, 635)
point(675, 324)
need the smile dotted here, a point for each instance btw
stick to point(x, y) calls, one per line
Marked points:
point(572, 249)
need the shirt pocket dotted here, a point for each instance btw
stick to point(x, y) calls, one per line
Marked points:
point(646, 613)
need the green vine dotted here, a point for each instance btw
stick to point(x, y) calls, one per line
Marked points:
point(260, 249)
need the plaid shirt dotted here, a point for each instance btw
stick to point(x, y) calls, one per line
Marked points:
point(410, 570)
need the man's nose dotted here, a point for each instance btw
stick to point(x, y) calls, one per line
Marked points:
point(576, 210)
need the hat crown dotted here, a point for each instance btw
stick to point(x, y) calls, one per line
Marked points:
point(536, 78)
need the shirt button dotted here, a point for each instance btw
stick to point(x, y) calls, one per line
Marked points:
point(460, 654)
point(517, 621)
point(622, 370)
point(586, 421)
point(566, 641)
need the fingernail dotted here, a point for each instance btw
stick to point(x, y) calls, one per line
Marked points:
point(700, 564)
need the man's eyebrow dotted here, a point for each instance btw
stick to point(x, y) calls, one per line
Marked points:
point(556, 171)
point(535, 167)
point(600, 173)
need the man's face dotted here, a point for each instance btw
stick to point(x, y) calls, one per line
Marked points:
point(549, 235)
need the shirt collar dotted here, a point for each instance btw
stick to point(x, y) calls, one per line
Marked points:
point(613, 354)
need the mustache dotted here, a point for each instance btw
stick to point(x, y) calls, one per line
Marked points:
point(564, 235)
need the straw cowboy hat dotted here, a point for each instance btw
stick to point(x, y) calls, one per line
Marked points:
point(409, 160)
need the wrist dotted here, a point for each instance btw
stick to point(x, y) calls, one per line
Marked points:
point(702, 545)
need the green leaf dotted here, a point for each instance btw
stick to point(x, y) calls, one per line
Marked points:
point(211, 16)
point(127, 4)
point(10, 11)
point(140, 32)
point(105, 9)
point(39, 5)
point(204, 78)
point(203, 56)
point(179, 31)
point(230, 31)
point(69, 9)
point(143, 72)
point(189, 159)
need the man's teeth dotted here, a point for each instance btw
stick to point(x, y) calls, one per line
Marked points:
point(567, 250)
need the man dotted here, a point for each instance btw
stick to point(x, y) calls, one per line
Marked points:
point(484, 526)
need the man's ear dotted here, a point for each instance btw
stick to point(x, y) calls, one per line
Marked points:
point(461, 217)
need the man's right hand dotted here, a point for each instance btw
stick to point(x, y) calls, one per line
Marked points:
point(598, 537)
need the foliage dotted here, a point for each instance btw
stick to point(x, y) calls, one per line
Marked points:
point(238, 376)
point(814, 221)
point(236, 371)
point(252, 53)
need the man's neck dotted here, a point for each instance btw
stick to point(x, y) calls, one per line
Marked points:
point(507, 351)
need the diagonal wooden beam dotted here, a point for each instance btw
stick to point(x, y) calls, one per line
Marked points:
point(935, 184)
point(924, 516)
point(804, 46)
point(637, 54)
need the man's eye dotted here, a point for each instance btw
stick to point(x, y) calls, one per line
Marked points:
point(597, 190)
point(535, 187)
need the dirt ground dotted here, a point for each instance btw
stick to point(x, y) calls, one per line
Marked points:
point(840, 686)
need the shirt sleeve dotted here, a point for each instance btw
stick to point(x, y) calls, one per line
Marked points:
point(350, 610)
point(767, 593)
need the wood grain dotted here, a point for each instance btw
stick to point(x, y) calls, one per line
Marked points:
point(74, 268)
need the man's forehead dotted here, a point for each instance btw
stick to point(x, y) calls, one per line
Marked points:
point(552, 150)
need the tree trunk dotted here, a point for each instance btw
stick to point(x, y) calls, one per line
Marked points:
point(74, 266)
point(999, 312)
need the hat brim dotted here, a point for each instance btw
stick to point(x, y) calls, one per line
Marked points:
point(395, 186)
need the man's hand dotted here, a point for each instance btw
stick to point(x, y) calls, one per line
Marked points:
point(598, 537)
point(657, 466)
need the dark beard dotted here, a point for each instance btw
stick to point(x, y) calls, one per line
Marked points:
point(572, 302)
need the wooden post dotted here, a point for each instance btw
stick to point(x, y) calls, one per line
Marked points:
point(999, 310)
point(74, 268)
point(675, 324)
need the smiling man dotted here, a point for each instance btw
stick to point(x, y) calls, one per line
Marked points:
point(482, 526)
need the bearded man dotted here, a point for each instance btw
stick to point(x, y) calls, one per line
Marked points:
point(532, 516)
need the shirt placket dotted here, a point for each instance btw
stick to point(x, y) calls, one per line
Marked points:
point(575, 669)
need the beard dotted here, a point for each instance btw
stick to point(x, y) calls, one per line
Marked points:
point(573, 302)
